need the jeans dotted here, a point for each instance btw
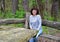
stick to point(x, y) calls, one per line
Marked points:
point(35, 39)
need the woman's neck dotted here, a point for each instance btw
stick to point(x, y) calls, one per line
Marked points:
point(34, 15)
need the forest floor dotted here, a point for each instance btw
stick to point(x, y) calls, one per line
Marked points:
point(54, 32)
point(57, 34)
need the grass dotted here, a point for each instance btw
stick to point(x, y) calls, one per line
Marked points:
point(45, 30)
point(19, 14)
point(21, 25)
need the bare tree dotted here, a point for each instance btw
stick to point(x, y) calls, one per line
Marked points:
point(26, 8)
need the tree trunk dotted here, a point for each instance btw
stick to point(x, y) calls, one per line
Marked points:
point(41, 8)
point(14, 6)
point(26, 5)
point(48, 8)
point(26, 8)
point(52, 24)
point(3, 6)
point(54, 9)
point(59, 4)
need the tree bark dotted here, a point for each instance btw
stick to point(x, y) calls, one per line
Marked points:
point(14, 6)
point(11, 21)
point(26, 5)
point(54, 9)
point(48, 38)
point(3, 6)
point(52, 24)
point(41, 8)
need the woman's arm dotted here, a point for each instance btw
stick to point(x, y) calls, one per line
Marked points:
point(40, 22)
point(30, 25)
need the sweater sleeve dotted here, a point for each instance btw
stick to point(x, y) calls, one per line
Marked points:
point(40, 22)
point(30, 25)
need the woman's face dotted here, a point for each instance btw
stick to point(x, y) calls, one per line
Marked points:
point(34, 12)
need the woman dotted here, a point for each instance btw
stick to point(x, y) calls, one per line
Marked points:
point(35, 23)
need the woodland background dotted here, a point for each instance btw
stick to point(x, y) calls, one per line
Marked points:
point(49, 10)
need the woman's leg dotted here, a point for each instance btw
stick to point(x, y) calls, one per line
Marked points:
point(31, 40)
point(38, 34)
point(35, 39)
